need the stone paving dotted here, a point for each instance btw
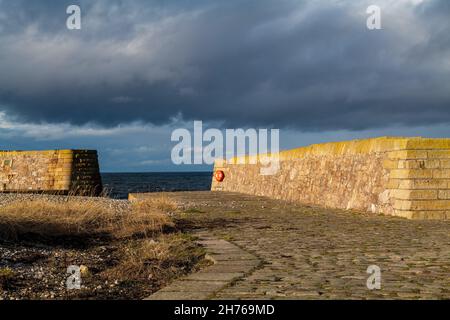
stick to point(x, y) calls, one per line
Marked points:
point(229, 263)
point(315, 253)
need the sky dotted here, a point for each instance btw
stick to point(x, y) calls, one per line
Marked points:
point(139, 69)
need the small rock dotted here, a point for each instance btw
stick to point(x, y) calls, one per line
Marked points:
point(84, 270)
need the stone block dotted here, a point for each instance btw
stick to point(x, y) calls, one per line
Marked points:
point(390, 164)
point(393, 184)
point(445, 164)
point(430, 205)
point(419, 164)
point(441, 173)
point(411, 173)
point(406, 184)
point(444, 194)
point(430, 184)
point(415, 194)
point(439, 154)
point(407, 154)
point(424, 143)
point(402, 205)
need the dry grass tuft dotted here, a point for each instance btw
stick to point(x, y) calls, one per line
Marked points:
point(160, 259)
point(79, 217)
point(7, 276)
point(160, 202)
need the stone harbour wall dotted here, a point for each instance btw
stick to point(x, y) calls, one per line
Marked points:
point(59, 171)
point(406, 177)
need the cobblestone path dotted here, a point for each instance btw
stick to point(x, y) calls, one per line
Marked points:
point(316, 253)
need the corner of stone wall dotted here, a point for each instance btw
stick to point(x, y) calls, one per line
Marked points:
point(419, 179)
point(85, 177)
point(62, 170)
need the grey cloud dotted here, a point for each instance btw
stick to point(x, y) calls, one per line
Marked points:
point(308, 65)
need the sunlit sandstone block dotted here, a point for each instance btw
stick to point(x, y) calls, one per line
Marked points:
point(405, 177)
point(58, 171)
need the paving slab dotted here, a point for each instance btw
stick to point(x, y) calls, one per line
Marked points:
point(213, 275)
point(230, 264)
point(187, 285)
point(167, 295)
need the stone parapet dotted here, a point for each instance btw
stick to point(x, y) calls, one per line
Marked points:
point(406, 177)
point(55, 171)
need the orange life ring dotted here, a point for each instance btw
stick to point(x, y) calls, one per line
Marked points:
point(219, 175)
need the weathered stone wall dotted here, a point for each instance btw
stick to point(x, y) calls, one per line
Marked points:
point(407, 177)
point(62, 171)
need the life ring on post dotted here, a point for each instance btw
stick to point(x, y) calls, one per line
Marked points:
point(219, 175)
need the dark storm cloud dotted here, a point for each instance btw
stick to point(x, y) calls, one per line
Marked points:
point(309, 65)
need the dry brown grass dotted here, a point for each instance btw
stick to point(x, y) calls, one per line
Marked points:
point(81, 217)
point(135, 259)
point(161, 202)
point(160, 259)
point(7, 276)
